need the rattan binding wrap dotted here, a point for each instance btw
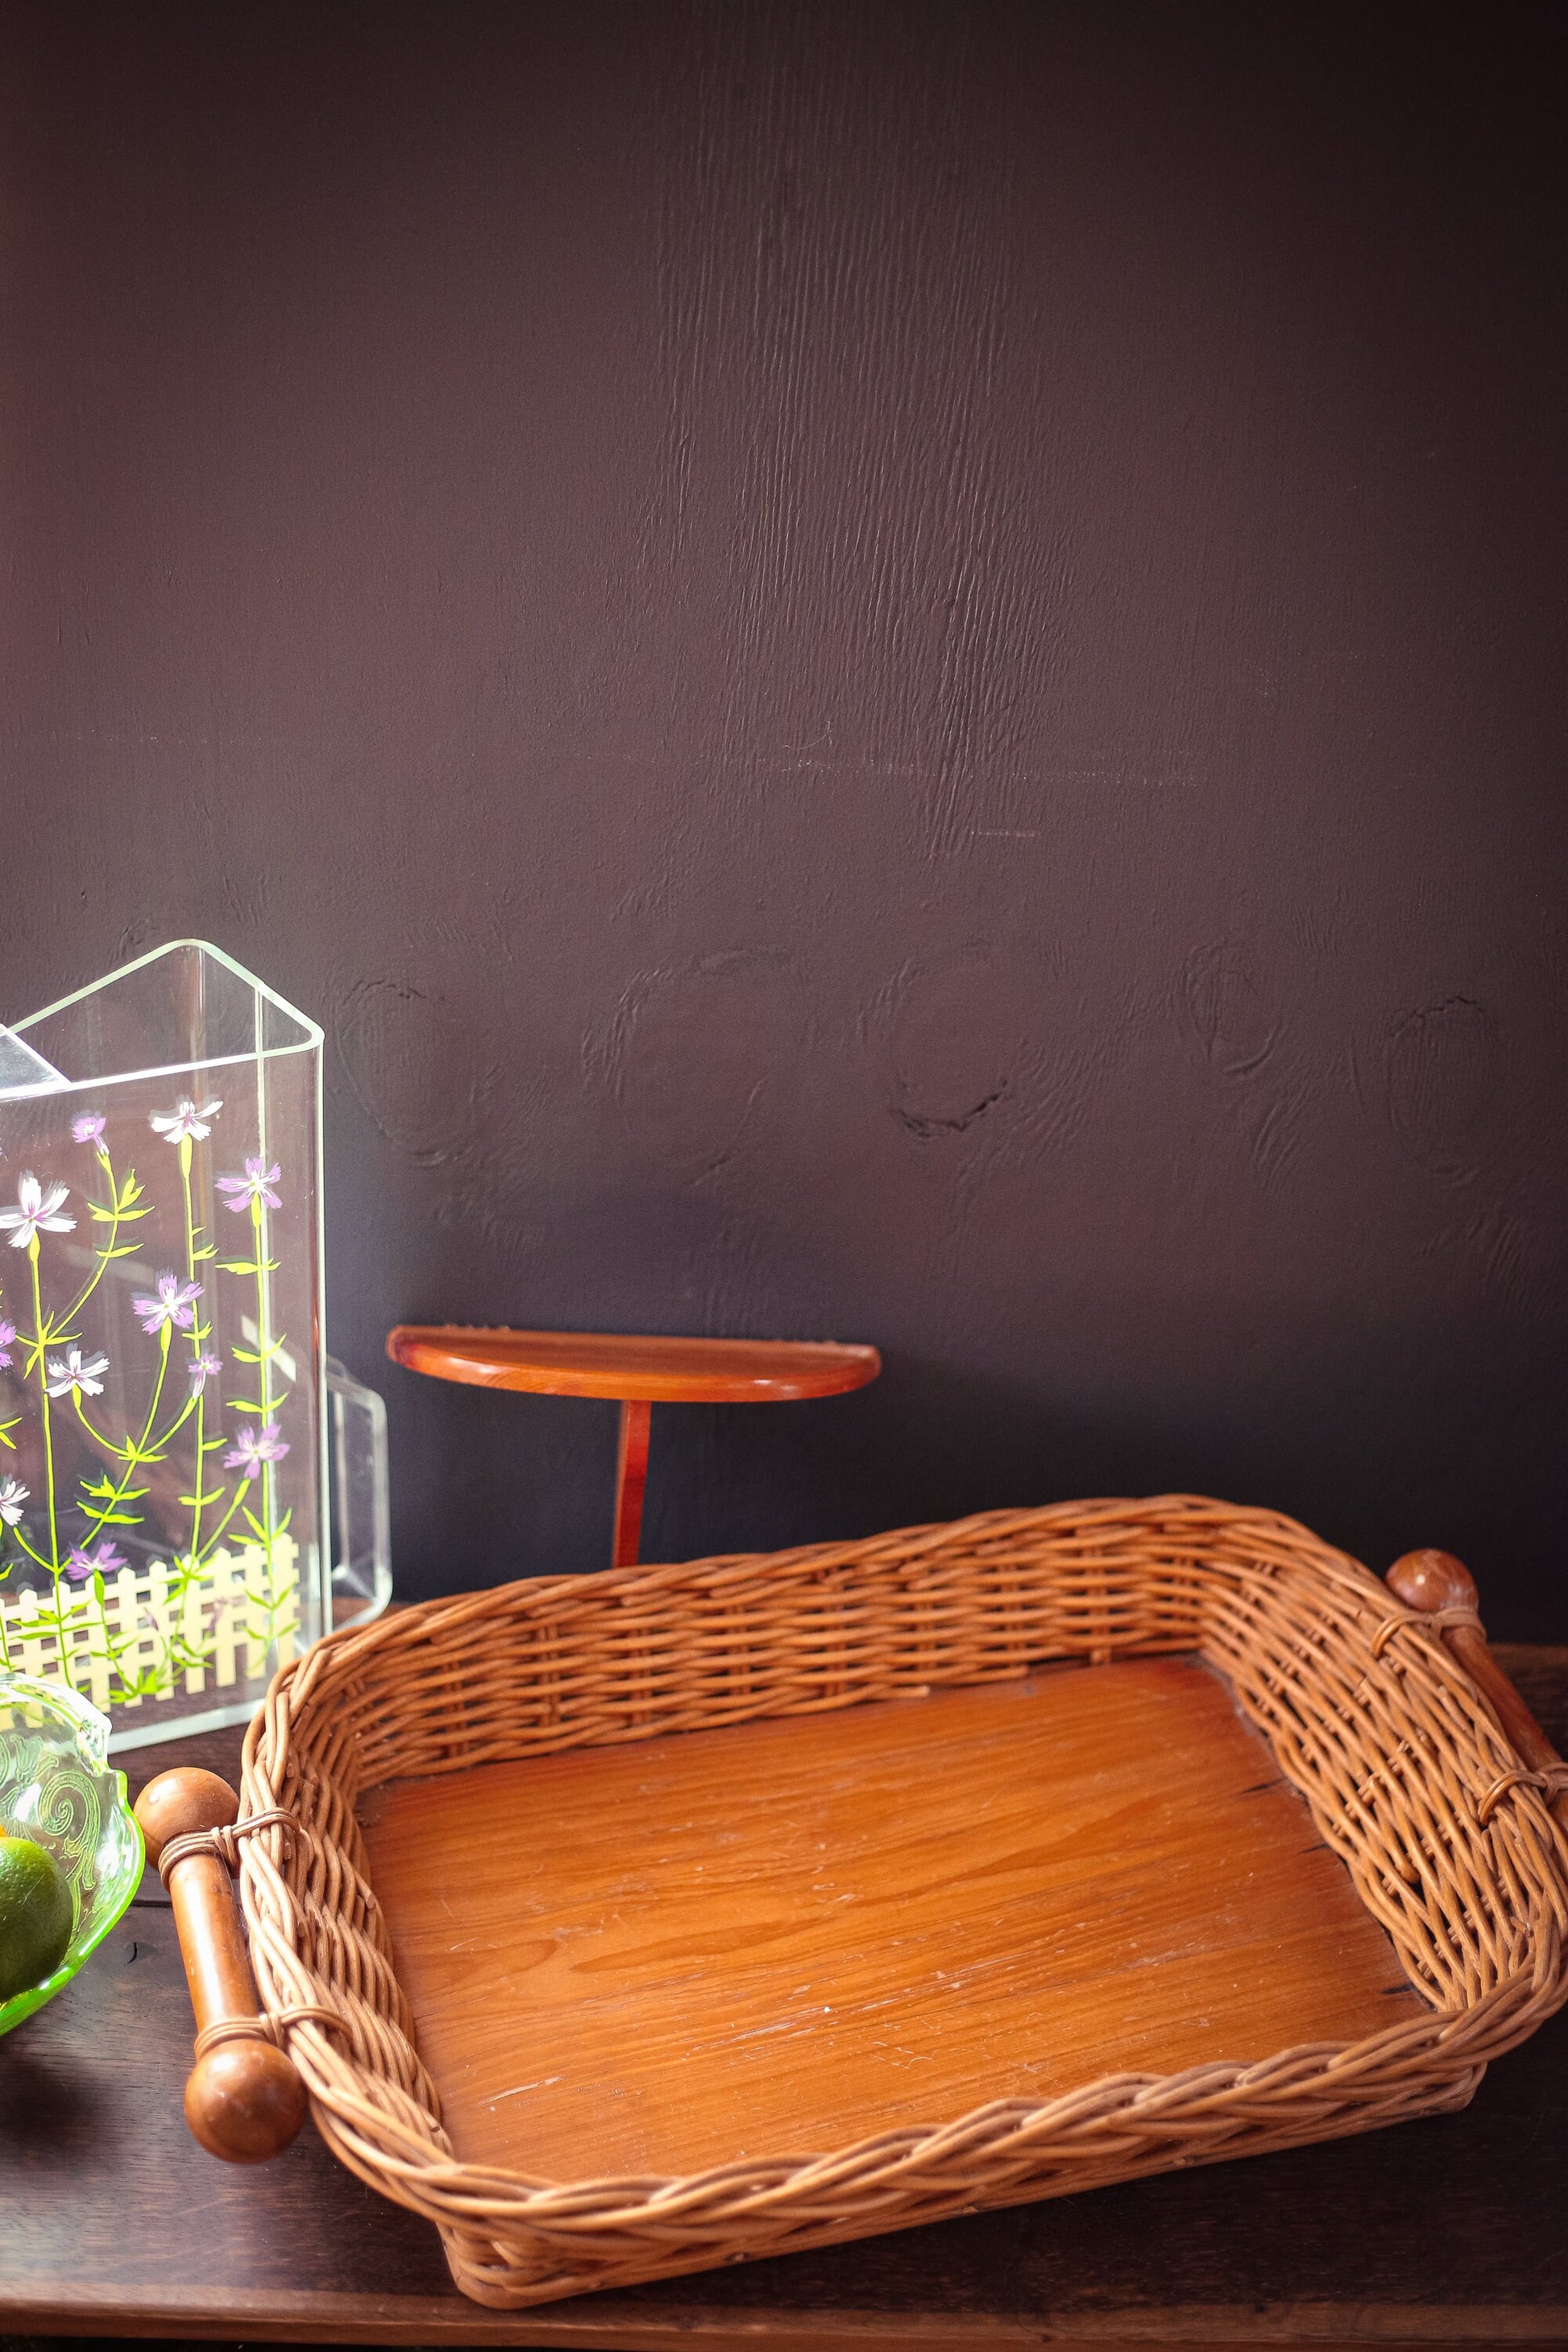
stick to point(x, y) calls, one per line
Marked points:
point(1395, 1754)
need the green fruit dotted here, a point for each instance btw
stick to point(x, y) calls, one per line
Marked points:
point(36, 1913)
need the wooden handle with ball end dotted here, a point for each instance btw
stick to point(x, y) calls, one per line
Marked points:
point(1436, 1580)
point(244, 2099)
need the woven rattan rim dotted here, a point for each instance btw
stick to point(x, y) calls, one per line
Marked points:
point(1409, 1779)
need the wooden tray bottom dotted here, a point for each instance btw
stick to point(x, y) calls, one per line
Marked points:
point(785, 1936)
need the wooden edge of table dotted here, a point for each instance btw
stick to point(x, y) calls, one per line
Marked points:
point(637, 1368)
point(609, 2323)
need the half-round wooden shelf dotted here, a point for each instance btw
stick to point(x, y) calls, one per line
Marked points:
point(627, 1366)
point(636, 1371)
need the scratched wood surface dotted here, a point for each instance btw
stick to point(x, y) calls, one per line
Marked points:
point(787, 1936)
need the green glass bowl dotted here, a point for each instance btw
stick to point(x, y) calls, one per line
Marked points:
point(55, 1787)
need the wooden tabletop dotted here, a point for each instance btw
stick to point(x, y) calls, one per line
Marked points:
point(113, 2222)
point(625, 1366)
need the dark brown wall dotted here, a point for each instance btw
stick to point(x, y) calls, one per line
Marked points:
point(888, 671)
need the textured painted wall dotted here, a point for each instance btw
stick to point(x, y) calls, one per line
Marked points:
point(889, 672)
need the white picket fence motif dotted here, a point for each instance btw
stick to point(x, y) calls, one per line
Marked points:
point(229, 1619)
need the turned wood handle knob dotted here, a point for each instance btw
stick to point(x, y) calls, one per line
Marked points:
point(1435, 1580)
point(1432, 1580)
point(244, 2100)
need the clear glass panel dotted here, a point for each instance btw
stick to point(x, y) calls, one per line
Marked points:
point(361, 1513)
point(161, 1410)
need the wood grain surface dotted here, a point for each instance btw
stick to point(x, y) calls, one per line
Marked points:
point(654, 1370)
point(1444, 2231)
point(787, 1936)
point(244, 2100)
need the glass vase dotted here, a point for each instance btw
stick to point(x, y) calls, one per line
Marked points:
point(57, 1788)
point(163, 1425)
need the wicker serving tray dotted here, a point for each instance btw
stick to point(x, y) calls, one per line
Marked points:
point(834, 1962)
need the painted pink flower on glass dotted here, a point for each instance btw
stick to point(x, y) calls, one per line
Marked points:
point(101, 1561)
point(252, 1186)
point(204, 1369)
point(176, 1304)
point(7, 1334)
point(89, 1128)
point(252, 1447)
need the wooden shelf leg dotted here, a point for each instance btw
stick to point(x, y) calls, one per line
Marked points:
point(631, 1477)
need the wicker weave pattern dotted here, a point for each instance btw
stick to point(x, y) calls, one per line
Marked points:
point(1395, 1753)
